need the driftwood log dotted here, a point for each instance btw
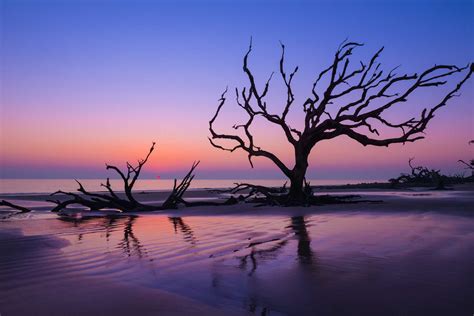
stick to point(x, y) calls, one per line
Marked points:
point(126, 201)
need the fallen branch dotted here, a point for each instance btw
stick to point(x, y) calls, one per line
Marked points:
point(22, 209)
point(112, 200)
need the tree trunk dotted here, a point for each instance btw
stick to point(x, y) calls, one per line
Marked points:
point(128, 193)
point(298, 174)
point(297, 194)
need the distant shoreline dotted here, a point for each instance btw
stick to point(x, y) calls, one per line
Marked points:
point(44, 186)
point(458, 200)
point(366, 186)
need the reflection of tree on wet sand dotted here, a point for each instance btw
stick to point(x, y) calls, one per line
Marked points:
point(185, 229)
point(130, 243)
point(253, 307)
point(304, 253)
point(269, 253)
point(299, 227)
point(75, 222)
point(109, 223)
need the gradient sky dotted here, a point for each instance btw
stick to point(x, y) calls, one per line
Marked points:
point(88, 82)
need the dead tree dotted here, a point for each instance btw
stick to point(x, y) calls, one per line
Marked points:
point(20, 208)
point(469, 165)
point(125, 202)
point(256, 193)
point(112, 199)
point(352, 103)
point(420, 175)
point(176, 195)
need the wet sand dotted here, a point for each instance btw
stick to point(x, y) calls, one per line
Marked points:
point(38, 278)
point(458, 199)
point(410, 255)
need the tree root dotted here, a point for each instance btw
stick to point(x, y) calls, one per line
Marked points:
point(264, 196)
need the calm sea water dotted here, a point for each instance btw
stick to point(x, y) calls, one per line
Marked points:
point(51, 185)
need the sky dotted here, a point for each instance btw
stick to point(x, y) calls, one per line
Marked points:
point(89, 82)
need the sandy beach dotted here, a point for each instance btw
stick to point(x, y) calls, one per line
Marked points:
point(457, 199)
point(389, 256)
point(259, 158)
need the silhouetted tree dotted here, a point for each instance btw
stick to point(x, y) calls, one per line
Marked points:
point(126, 201)
point(469, 165)
point(353, 103)
point(110, 199)
point(420, 175)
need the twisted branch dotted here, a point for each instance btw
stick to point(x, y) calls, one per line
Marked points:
point(365, 85)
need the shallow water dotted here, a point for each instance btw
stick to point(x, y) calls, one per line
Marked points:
point(344, 263)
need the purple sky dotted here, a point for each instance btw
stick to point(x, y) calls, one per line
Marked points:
point(88, 82)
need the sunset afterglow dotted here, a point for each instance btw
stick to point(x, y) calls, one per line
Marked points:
point(84, 84)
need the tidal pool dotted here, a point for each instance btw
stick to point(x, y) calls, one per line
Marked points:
point(344, 263)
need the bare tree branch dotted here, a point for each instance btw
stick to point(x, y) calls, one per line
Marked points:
point(359, 96)
point(20, 208)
